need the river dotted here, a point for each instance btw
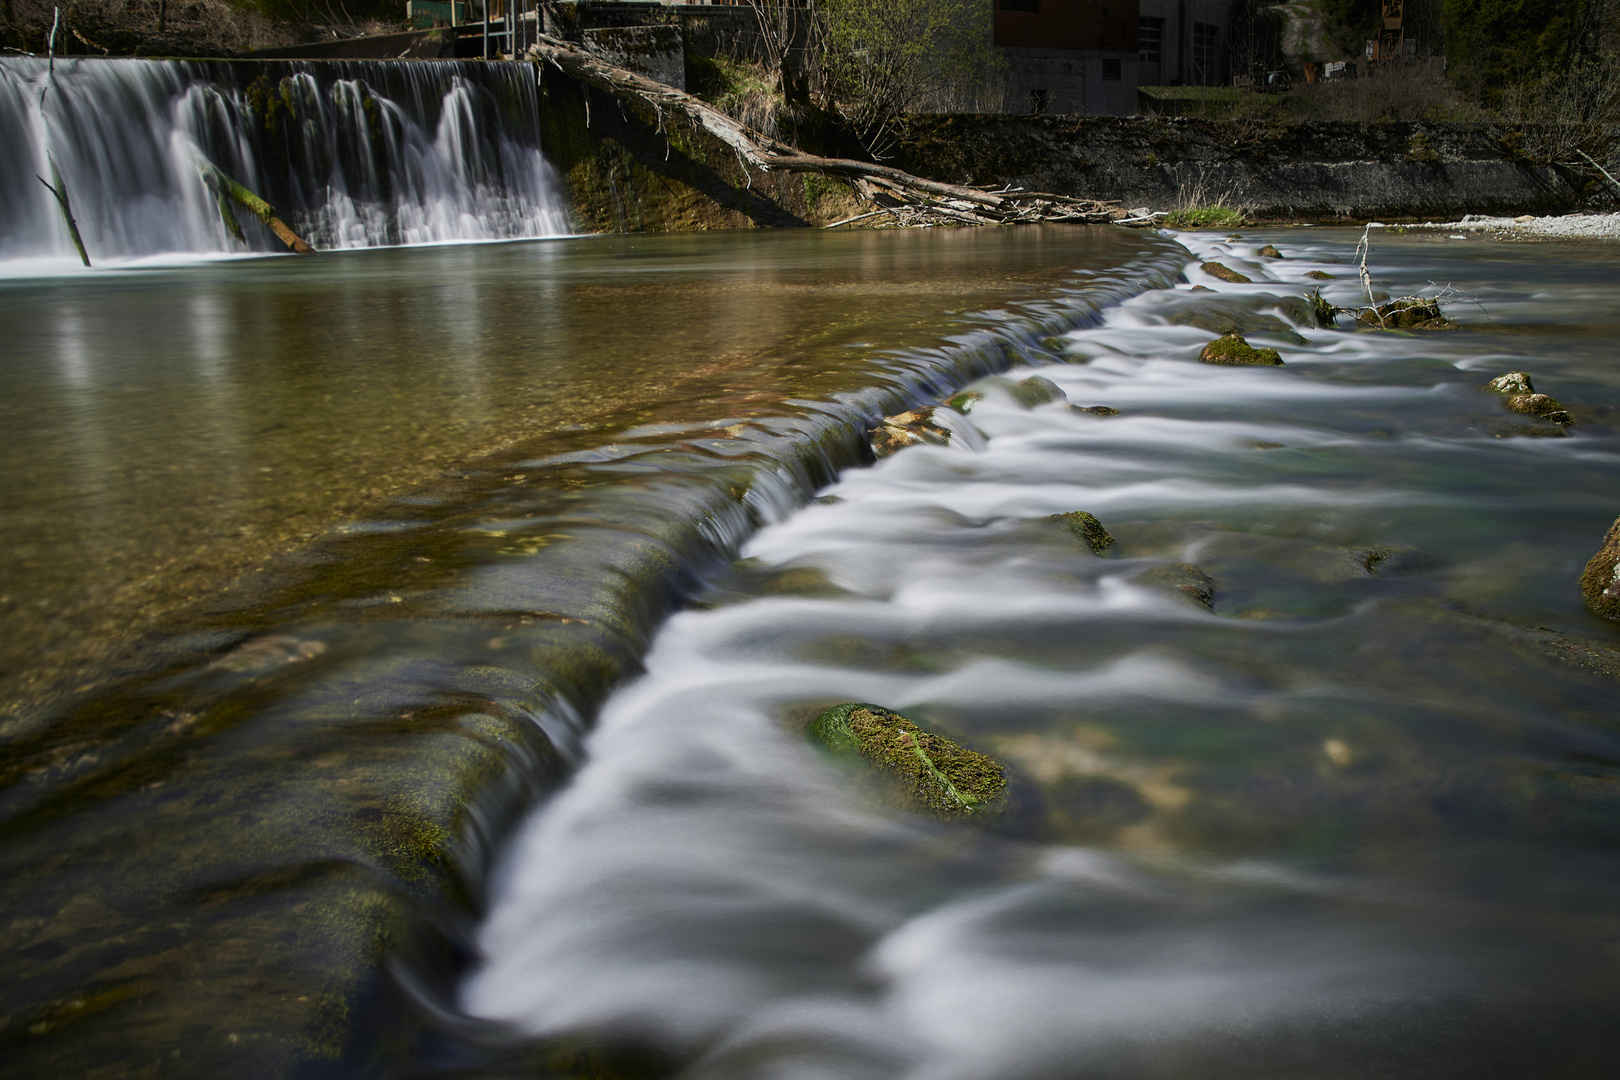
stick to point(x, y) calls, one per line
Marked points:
point(407, 651)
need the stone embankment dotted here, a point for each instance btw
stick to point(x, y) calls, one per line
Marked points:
point(1318, 172)
point(631, 170)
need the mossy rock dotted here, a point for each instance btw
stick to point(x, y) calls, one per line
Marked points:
point(1086, 527)
point(1226, 273)
point(938, 775)
point(1514, 382)
point(1269, 252)
point(1231, 349)
point(964, 402)
point(1217, 321)
point(1182, 579)
point(1600, 582)
point(1096, 410)
point(1407, 315)
point(1037, 390)
point(1539, 405)
point(1319, 275)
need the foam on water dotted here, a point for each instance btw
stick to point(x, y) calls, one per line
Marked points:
point(352, 155)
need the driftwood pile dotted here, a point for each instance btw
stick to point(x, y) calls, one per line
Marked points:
point(894, 195)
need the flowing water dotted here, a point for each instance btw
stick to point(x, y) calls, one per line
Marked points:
point(350, 154)
point(1355, 818)
point(318, 569)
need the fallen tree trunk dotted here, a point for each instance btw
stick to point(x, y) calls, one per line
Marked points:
point(225, 188)
point(909, 199)
point(59, 190)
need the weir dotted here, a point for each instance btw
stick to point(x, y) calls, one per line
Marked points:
point(351, 154)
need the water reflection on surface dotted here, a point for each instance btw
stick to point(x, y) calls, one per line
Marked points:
point(170, 430)
point(1355, 821)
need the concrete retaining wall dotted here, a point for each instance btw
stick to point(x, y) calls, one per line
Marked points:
point(1310, 172)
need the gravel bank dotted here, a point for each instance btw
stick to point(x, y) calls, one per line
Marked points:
point(1569, 226)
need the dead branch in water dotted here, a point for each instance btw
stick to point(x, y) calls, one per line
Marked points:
point(59, 190)
point(227, 191)
point(908, 199)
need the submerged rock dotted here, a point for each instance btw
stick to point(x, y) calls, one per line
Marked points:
point(1225, 273)
point(1037, 390)
point(1269, 252)
point(1183, 579)
point(1232, 349)
point(1096, 410)
point(1600, 582)
point(938, 775)
point(1407, 314)
point(908, 429)
point(1086, 527)
point(1319, 275)
point(1218, 321)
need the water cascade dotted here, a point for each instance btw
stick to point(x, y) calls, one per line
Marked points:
point(350, 154)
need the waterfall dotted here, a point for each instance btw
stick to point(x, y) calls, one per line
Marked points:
point(351, 154)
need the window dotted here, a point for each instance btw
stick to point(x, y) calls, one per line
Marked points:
point(1204, 37)
point(1111, 71)
point(1151, 33)
point(1028, 7)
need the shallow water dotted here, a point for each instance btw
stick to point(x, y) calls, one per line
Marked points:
point(1357, 820)
point(263, 727)
point(172, 430)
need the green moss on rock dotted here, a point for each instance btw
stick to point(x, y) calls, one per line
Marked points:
point(1231, 349)
point(1514, 382)
point(1086, 527)
point(1037, 390)
point(938, 775)
point(1407, 314)
point(1319, 275)
point(1270, 252)
point(1539, 405)
point(1225, 273)
point(1600, 582)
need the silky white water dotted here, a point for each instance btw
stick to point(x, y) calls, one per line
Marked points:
point(1354, 821)
point(350, 154)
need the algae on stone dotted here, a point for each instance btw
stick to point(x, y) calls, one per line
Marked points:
point(1407, 314)
point(1225, 273)
point(938, 775)
point(1600, 582)
point(1270, 252)
point(1231, 349)
point(1086, 527)
point(1096, 410)
point(1183, 579)
point(1319, 275)
point(1539, 405)
point(1037, 390)
point(1514, 382)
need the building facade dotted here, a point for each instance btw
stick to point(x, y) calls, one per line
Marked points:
point(1068, 56)
point(1183, 43)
